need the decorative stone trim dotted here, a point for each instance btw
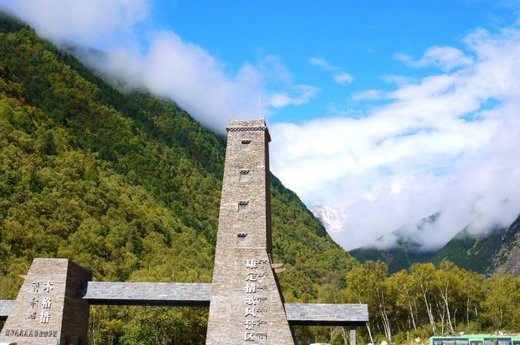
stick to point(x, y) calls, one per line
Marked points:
point(246, 129)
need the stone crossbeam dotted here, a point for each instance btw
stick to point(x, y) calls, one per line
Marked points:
point(157, 294)
point(326, 314)
point(184, 294)
point(5, 307)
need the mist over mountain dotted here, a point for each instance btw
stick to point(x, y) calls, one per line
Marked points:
point(496, 251)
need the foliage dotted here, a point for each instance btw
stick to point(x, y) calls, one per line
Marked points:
point(431, 300)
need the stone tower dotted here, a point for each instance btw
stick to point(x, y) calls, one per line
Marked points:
point(246, 303)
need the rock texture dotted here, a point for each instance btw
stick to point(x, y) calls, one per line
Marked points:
point(507, 259)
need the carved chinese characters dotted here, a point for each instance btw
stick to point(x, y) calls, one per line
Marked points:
point(255, 300)
point(41, 303)
point(47, 307)
point(38, 313)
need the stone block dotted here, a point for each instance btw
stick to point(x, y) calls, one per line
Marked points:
point(48, 309)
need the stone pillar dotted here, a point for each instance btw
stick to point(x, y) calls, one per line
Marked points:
point(47, 309)
point(352, 336)
point(246, 304)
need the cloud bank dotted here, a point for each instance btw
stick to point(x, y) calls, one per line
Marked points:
point(168, 66)
point(80, 21)
point(446, 58)
point(445, 143)
point(189, 75)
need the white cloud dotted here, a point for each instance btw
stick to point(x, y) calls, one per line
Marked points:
point(321, 62)
point(343, 78)
point(418, 154)
point(338, 75)
point(368, 95)
point(273, 68)
point(78, 20)
point(170, 66)
point(304, 93)
point(446, 58)
point(193, 78)
point(189, 75)
point(398, 80)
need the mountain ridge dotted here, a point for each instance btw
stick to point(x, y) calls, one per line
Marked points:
point(495, 252)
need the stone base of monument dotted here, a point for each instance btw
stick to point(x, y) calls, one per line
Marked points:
point(48, 309)
point(52, 306)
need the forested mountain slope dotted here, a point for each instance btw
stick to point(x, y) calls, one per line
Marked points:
point(127, 185)
point(401, 257)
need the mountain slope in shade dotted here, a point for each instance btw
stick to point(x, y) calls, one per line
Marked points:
point(397, 258)
point(498, 251)
point(472, 251)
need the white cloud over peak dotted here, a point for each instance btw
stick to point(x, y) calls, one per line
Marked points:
point(169, 66)
point(444, 143)
point(78, 20)
point(189, 75)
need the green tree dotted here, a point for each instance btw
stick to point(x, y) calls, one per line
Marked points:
point(501, 302)
point(423, 280)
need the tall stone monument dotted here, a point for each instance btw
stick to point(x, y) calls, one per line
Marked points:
point(246, 303)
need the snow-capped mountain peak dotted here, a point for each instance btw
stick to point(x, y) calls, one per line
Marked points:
point(333, 219)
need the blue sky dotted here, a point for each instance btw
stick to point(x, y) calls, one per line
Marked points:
point(358, 37)
point(381, 112)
